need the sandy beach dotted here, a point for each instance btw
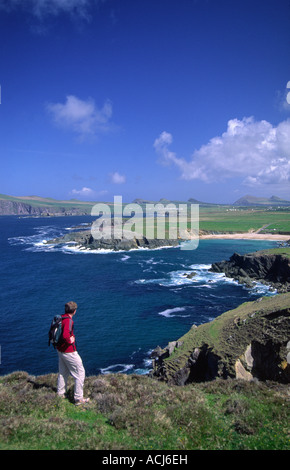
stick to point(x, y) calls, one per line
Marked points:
point(246, 236)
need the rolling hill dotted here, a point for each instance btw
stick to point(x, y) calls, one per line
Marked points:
point(261, 201)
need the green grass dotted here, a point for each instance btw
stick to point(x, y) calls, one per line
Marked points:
point(244, 220)
point(139, 413)
point(228, 219)
point(215, 334)
point(285, 251)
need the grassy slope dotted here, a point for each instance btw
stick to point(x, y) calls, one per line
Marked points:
point(216, 332)
point(284, 251)
point(139, 413)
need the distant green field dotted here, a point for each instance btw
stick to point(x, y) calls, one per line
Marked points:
point(244, 220)
point(212, 218)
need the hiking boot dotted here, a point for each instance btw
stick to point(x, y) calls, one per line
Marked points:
point(81, 401)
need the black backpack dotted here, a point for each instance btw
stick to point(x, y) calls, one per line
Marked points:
point(55, 331)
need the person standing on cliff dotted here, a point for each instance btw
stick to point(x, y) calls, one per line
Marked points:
point(69, 361)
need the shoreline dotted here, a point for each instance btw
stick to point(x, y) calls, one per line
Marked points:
point(246, 236)
point(79, 247)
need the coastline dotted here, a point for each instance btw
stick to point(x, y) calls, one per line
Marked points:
point(81, 241)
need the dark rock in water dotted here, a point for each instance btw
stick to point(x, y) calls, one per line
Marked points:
point(269, 266)
point(85, 239)
point(190, 275)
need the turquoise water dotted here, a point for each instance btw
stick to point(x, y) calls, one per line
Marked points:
point(128, 302)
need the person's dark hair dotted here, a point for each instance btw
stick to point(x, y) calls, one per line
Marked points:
point(70, 307)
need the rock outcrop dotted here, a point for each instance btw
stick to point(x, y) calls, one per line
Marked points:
point(249, 342)
point(85, 240)
point(269, 266)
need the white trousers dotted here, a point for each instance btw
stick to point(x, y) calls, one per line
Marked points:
point(70, 364)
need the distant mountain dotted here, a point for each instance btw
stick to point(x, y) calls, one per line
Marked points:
point(201, 203)
point(142, 201)
point(249, 200)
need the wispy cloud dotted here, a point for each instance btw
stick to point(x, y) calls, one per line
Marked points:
point(84, 192)
point(255, 151)
point(81, 116)
point(45, 8)
point(88, 193)
point(283, 99)
point(117, 178)
point(286, 101)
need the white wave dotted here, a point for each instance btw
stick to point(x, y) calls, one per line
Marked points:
point(200, 276)
point(38, 241)
point(78, 249)
point(168, 313)
point(84, 224)
point(200, 266)
point(260, 288)
point(148, 362)
point(122, 368)
point(125, 257)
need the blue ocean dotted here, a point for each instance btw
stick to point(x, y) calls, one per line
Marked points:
point(128, 302)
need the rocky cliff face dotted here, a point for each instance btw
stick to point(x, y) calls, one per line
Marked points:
point(250, 342)
point(17, 208)
point(269, 266)
point(8, 207)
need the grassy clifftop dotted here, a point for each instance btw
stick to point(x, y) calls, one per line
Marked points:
point(251, 341)
point(133, 412)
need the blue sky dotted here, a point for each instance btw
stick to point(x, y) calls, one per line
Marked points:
point(145, 99)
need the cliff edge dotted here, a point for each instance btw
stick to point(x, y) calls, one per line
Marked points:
point(249, 342)
point(269, 266)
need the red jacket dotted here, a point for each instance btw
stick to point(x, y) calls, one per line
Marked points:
point(66, 345)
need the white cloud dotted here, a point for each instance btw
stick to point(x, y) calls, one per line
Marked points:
point(161, 146)
point(84, 192)
point(283, 99)
point(116, 178)
point(278, 172)
point(81, 116)
point(255, 151)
